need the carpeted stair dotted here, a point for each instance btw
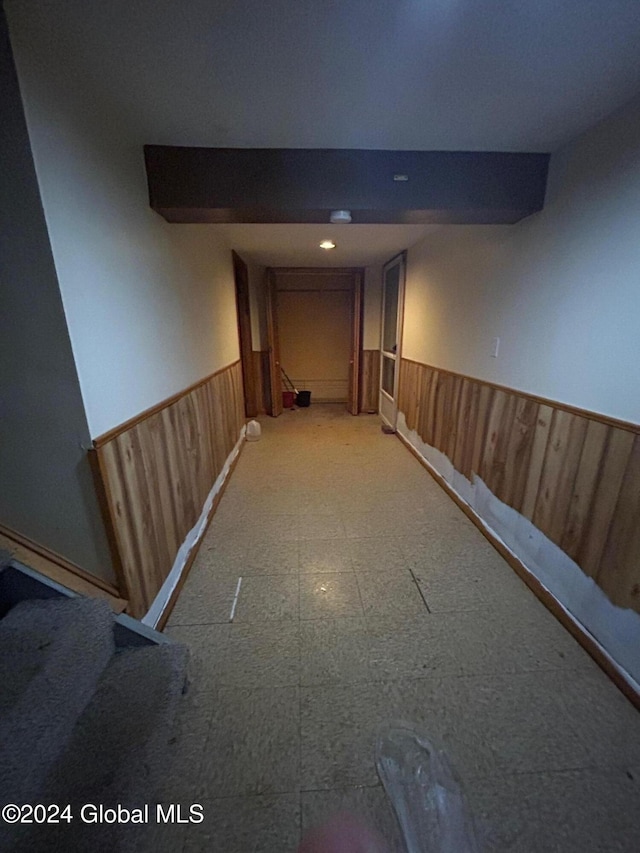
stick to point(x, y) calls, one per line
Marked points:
point(84, 718)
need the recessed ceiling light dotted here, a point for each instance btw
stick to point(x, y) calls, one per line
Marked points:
point(327, 244)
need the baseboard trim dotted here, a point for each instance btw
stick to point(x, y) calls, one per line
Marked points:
point(588, 643)
point(193, 553)
point(61, 570)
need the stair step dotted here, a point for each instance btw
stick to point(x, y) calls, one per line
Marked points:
point(52, 655)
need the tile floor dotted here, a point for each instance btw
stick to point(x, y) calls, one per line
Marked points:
point(368, 596)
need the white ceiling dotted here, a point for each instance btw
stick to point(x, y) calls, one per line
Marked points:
point(298, 245)
point(508, 75)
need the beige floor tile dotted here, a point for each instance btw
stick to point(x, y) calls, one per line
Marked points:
point(324, 555)
point(339, 726)
point(268, 597)
point(260, 654)
point(253, 745)
point(325, 526)
point(587, 811)
point(328, 521)
point(377, 554)
point(264, 558)
point(493, 724)
point(389, 595)
point(206, 598)
point(329, 596)
point(334, 651)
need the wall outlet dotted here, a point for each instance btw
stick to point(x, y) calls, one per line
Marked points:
point(495, 347)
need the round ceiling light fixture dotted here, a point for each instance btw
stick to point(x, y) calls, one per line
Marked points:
point(327, 244)
point(340, 216)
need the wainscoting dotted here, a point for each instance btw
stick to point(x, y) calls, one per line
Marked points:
point(158, 470)
point(574, 474)
point(369, 380)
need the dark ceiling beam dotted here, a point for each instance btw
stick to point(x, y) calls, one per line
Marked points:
point(305, 185)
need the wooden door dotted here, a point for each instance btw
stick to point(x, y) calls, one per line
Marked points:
point(275, 377)
point(241, 276)
point(356, 344)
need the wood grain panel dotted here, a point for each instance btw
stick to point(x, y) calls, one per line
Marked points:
point(158, 472)
point(619, 574)
point(605, 498)
point(370, 380)
point(575, 474)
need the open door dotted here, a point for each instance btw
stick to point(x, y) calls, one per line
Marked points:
point(275, 378)
point(241, 276)
point(356, 344)
point(393, 275)
point(352, 288)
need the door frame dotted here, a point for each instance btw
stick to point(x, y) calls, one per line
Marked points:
point(273, 344)
point(387, 404)
point(243, 313)
point(355, 354)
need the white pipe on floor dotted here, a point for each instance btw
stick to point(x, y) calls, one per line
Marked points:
point(235, 600)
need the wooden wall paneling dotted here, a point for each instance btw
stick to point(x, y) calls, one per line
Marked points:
point(559, 473)
point(468, 416)
point(423, 428)
point(370, 380)
point(407, 393)
point(423, 387)
point(498, 410)
point(605, 498)
point(619, 572)
point(536, 460)
point(485, 399)
point(452, 403)
point(574, 474)
point(432, 405)
point(167, 479)
point(119, 489)
point(158, 473)
point(463, 414)
point(150, 502)
point(507, 449)
point(519, 449)
point(584, 487)
point(413, 381)
point(437, 410)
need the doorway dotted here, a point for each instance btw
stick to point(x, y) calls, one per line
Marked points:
point(315, 333)
point(393, 280)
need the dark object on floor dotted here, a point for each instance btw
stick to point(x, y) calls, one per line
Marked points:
point(387, 429)
point(303, 399)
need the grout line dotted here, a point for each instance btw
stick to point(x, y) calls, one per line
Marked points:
point(415, 580)
point(235, 600)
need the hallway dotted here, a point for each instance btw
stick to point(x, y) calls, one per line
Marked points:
point(368, 596)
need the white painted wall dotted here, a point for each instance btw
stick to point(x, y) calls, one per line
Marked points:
point(561, 289)
point(150, 306)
